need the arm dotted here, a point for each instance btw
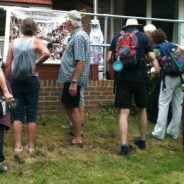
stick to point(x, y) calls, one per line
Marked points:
point(76, 75)
point(4, 88)
point(43, 51)
point(154, 61)
point(8, 62)
point(109, 56)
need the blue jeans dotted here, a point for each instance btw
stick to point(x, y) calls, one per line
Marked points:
point(27, 95)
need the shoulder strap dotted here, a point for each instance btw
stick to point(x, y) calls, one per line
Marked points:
point(28, 45)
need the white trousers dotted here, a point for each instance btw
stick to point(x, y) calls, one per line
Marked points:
point(173, 93)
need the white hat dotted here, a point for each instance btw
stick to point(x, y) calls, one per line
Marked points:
point(149, 28)
point(74, 15)
point(132, 22)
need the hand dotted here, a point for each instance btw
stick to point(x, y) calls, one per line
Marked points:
point(8, 97)
point(154, 75)
point(182, 87)
point(35, 69)
point(73, 89)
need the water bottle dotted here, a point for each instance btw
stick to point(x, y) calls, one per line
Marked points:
point(11, 106)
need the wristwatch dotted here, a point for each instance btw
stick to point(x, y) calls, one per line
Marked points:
point(74, 81)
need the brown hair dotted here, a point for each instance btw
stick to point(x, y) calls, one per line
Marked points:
point(159, 36)
point(28, 27)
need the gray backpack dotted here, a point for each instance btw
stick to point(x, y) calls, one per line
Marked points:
point(22, 67)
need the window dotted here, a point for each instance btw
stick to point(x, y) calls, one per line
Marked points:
point(2, 22)
point(167, 10)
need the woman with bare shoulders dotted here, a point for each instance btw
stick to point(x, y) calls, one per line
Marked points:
point(26, 94)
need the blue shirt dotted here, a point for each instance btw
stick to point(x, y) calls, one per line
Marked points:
point(78, 48)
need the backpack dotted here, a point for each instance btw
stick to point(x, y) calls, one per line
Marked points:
point(126, 49)
point(171, 59)
point(22, 66)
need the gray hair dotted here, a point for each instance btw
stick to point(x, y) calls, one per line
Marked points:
point(76, 23)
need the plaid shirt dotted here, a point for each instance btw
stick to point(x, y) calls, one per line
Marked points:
point(78, 48)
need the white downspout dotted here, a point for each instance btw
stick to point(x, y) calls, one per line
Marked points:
point(112, 19)
point(95, 7)
point(181, 25)
point(148, 10)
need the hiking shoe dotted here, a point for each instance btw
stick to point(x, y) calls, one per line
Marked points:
point(3, 167)
point(140, 143)
point(124, 150)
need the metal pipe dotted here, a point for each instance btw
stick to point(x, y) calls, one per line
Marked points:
point(105, 49)
point(95, 7)
point(112, 19)
point(98, 14)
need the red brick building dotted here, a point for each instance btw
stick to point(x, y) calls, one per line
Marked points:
point(40, 2)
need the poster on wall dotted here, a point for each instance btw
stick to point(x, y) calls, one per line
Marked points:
point(50, 28)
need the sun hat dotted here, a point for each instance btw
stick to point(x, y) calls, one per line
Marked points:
point(74, 15)
point(149, 28)
point(131, 22)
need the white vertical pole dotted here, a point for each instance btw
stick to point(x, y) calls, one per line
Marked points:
point(105, 42)
point(7, 33)
point(112, 19)
point(148, 10)
point(181, 25)
point(95, 7)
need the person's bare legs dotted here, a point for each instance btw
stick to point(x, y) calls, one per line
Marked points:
point(17, 131)
point(81, 110)
point(123, 125)
point(32, 127)
point(142, 122)
point(74, 114)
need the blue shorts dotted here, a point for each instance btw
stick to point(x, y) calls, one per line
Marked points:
point(27, 96)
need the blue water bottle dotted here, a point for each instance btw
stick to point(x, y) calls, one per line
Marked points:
point(117, 65)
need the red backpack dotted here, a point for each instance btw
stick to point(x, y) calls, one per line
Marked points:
point(126, 49)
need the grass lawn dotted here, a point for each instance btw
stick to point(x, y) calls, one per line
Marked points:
point(56, 162)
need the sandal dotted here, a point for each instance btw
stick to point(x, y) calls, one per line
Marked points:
point(79, 144)
point(18, 150)
point(31, 151)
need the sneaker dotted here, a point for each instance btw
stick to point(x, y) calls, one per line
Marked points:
point(18, 150)
point(31, 151)
point(152, 136)
point(124, 149)
point(140, 143)
point(3, 167)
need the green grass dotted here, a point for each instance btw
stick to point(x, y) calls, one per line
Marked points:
point(98, 162)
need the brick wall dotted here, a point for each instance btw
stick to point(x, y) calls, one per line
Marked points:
point(96, 94)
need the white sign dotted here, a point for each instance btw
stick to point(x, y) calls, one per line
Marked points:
point(51, 29)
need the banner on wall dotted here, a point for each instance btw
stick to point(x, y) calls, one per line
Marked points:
point(50, 24)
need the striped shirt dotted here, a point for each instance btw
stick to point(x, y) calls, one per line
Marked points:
point(78, 48)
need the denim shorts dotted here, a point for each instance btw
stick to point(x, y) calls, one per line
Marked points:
point(27, 95)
